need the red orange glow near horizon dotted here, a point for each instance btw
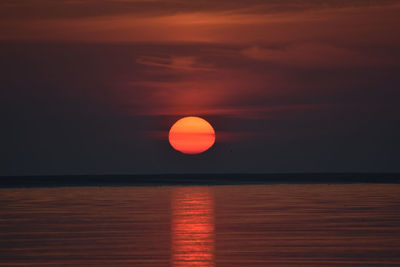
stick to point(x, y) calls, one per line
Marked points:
point(191, 135)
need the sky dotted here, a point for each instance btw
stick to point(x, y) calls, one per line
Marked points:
point(93, 86)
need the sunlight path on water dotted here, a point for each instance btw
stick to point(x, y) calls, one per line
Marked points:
point(192, 227)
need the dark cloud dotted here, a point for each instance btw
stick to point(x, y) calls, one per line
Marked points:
point(350, 22)
point(74, 9)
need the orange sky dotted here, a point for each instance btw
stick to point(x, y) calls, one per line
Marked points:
point(310, 73)
point(249, 23)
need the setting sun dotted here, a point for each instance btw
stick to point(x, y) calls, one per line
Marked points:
point(191, 135)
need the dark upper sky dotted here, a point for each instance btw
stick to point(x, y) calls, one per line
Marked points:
point(92, 86)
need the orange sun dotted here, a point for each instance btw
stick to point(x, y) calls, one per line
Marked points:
point(191, 135)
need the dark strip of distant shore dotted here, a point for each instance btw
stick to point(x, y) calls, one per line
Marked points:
point(197, 179)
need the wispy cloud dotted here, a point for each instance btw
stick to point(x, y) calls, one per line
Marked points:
point(180, 63)
point(313, 55)
point(214, 23)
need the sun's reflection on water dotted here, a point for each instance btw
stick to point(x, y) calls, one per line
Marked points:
point(192, 227)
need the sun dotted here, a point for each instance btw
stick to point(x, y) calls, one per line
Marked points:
point(191, 135)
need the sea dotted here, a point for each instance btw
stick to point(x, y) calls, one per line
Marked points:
point(226, 225)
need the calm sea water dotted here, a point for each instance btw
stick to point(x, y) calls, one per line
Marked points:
point(262, 225)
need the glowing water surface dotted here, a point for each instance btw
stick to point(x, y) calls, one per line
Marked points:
point(192, 227)
point(260, 225)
